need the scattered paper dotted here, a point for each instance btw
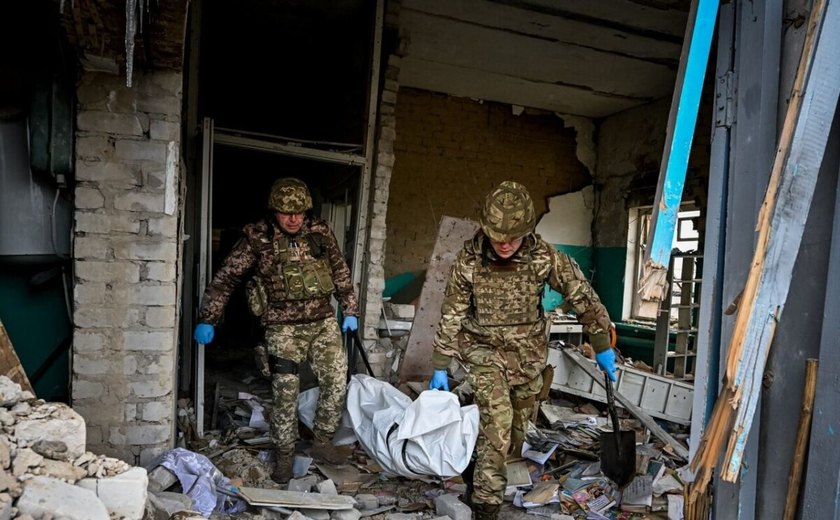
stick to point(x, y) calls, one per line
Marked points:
point(638, 493)
point(676, 506)
point(540, 457)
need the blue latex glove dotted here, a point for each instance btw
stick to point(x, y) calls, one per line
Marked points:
point(204, 333)
point(350, 323)
point(440, 381)
point(606, 360)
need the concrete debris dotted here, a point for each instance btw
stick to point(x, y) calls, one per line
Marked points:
point(560, 464)
point(46, 471)
point(48, 497)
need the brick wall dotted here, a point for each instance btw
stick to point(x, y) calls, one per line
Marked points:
point(449, 152)
point(125, 261)
point(383, 168)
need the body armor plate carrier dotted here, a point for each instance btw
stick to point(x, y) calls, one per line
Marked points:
point(506, 294)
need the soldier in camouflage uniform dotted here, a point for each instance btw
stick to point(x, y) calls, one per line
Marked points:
point(493, 322)
point(294, 265)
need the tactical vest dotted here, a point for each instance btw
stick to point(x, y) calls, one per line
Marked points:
point(304, 278)
point(506, 294)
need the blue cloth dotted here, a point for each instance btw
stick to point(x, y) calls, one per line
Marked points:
point(440, 381)
point(204, 333)
point(606, 360)
point(200, 480)
point(350, 323)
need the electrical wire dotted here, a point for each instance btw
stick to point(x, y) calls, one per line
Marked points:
point(53, 232)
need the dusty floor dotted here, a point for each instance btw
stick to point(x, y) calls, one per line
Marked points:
point(244, 454)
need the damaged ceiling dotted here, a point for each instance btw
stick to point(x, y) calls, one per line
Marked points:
point(576, 57)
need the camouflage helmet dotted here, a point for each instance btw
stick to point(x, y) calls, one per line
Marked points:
point(508, 212)
point(289, 195)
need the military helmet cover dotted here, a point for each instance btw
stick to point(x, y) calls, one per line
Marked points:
point(289, 195)
point(508, 212)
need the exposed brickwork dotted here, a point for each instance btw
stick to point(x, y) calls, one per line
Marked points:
point(383, 166)
point(125, 251)
point(449, 152)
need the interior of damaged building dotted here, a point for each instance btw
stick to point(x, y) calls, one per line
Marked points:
point(684, 153)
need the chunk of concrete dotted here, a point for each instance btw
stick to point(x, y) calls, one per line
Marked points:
point(55, 450)
point(10, 392)
point(346, 514)
point(366, 501)
point(63, 425)
point(5, 506)
point(172, 502)
point(297, 515)
point(301, 465)
point(161, 479)
point(318, 514)
point(303, 485)
point(449, 505)
point(326, 487)
point(63, 470)
point(124, 495)
point(45, 496)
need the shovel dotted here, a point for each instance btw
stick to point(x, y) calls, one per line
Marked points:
point(618, 448)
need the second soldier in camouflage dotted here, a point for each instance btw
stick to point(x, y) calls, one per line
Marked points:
point(493, 322)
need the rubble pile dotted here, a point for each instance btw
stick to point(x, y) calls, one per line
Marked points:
point(46, 471)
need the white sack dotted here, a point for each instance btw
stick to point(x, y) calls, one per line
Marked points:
point(430, 437)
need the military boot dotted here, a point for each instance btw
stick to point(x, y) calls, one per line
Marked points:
point(324, 451)
point(484, 511)
point(284, 460)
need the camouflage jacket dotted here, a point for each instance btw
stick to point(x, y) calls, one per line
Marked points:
point(552, 267)
point(255, 252)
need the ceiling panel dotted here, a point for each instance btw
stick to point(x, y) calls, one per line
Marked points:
point(553, 55)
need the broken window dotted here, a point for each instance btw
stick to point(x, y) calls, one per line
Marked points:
point(686, 239)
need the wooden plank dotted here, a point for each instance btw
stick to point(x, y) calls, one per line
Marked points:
point(452, 234)
point(797, 162)
point(637, 412)
point(294, 499)
point(802, 435)
point(682, 121)
point(10, 363)
point(823, 470)
point(786, 219)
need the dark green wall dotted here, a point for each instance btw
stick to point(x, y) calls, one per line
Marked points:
point(36, 319)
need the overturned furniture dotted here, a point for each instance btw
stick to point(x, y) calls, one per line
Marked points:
point(656, 395)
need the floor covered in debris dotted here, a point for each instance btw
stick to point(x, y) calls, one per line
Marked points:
point(557, 477)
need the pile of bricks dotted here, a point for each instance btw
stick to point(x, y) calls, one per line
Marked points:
point(47, 472)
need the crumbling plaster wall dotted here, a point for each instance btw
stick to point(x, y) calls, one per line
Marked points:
point(629, 143)
point(125, 262)
point(449, 152)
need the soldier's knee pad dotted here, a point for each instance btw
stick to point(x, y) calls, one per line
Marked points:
point(283, 366)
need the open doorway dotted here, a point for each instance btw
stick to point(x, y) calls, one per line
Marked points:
point(297, 82)
point(239, 186)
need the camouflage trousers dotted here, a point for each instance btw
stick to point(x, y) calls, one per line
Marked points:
point(504, 411)
point(318, 342)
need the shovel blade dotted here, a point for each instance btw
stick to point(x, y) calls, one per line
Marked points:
point(618, 459)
